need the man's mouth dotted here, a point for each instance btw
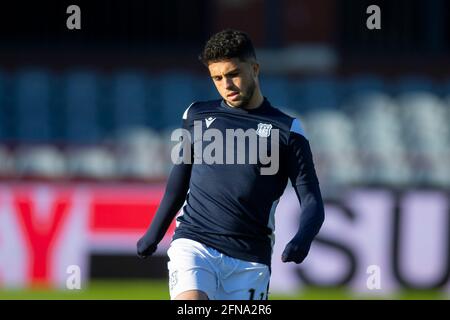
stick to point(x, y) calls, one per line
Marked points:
point(232, 95)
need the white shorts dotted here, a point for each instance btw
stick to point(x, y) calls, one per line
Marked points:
point(194, 266)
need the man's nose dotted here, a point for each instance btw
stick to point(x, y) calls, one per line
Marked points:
point(229, 83)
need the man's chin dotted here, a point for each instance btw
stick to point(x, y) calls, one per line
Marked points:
point(235, 104)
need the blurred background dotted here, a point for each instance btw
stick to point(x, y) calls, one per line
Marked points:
point(86, 117)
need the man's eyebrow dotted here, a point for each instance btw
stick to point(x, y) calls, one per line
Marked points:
point(231, 71)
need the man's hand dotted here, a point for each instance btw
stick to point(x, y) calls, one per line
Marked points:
point(145, 250)
point(294, 252)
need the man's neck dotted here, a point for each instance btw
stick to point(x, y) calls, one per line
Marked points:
point(255, 102)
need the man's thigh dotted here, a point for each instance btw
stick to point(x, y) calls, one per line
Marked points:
point(190, 269)
point(192, 295)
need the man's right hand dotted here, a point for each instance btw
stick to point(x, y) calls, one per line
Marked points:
point(145, 250)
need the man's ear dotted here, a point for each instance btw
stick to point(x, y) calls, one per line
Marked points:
point(255, 67)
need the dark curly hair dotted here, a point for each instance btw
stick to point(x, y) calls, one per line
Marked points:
point(228, 44)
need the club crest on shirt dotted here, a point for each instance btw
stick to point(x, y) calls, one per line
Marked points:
point(263, 130)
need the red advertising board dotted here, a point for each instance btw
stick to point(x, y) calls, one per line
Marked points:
point(404, 236)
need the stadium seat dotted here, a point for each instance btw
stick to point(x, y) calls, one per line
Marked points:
point(129, 100)
point(204, 88)
point(439, 169)
point(81, 101)
point(140, 154)
point(445, 88)
point(413, 83)
point(40, 161)
point(6, 162)
point(332, 140)
point(94, 162)
point(427, 135)
point(425, 122)
point(376, 122)
point(276, 90)
point(393, 169)
point(178, 92)
point(33, 98)
point(363, 84)
point(4, 119)
point(314, 93)
point(362, 129)
point(379, 135)
point(155, 105)
point(322, 127)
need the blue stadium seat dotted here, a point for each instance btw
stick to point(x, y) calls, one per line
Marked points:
point(142, 154)
point(379, 134)
point(40, 161)
point(336, 153)
point(33, 99)
point(93, 162)
point(129, 105)
point(81, 102)
point(314, 93)
point(6, 162)
point(425, 123)
point(178, 92)
point(413, 83)
point(276, 90)
point(204, 89)
point(363, 84)
point(155, 104)
point(3, 107)
point(445, 88)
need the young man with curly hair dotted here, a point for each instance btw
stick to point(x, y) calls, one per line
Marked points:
point(222, 245)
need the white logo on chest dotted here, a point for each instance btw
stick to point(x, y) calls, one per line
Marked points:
point(263, 130)
point(209, 121)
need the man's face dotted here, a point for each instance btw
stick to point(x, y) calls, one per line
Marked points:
point(235, 80)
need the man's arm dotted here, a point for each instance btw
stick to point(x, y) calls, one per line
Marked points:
point(304, 180)
point(174, 197)
point(311, 220)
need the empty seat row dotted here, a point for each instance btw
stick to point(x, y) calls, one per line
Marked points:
point(84, 106)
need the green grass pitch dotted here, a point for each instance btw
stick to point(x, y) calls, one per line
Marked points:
point(158, 290)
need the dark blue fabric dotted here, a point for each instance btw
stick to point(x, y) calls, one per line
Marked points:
point(230, 207)
point(174, 197)
point(311, 220)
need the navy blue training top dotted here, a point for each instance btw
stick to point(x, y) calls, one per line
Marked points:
point(230, 206)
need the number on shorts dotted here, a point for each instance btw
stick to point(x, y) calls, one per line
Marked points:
point(252, 294)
